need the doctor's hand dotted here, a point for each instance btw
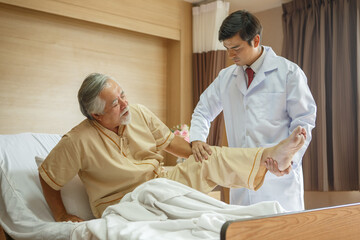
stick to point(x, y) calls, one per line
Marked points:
point(272, 166)
point(200, 150)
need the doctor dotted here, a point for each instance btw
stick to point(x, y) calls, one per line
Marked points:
point(263, 97)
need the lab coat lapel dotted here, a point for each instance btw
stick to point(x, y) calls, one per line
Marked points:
point(240, 80)
point(267, 66)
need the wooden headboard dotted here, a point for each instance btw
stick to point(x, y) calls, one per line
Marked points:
point(339, 222)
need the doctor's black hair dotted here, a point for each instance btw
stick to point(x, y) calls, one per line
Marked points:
point(242, 22)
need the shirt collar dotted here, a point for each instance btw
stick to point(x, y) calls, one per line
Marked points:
point(257, 64)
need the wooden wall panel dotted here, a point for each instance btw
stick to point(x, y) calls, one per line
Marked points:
point(155, 17)
point(44, 58)
point(180, 90)
point(180, 73)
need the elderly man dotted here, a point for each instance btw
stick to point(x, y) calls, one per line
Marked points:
point(117, 148)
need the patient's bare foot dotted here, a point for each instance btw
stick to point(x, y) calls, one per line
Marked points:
point(283, 152)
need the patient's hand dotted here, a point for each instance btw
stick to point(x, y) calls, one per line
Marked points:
point(200, 150)
point(68, 217)
point(272, 166)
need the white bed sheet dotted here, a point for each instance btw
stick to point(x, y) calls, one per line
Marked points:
point(158, 209)
point(164, 209)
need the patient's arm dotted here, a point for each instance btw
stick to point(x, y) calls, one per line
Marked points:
point(179, 147)
point(54, 200)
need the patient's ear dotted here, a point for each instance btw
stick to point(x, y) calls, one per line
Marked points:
point(96, 116)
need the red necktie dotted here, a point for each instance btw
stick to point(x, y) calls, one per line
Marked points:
point(250, 74)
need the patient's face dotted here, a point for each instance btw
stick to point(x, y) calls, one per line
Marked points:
point(240, 51)
point(116, 110)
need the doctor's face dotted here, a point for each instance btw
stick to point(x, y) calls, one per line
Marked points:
point(240, 51)
point(116, 111)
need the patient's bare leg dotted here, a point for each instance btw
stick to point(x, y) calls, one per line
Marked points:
point(285, 150)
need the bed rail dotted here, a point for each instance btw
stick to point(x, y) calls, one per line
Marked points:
point(339, 222)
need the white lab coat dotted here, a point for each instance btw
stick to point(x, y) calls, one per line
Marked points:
point(277, 101)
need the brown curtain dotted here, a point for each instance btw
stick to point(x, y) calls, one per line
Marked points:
point(322, 37)
point(207, 66)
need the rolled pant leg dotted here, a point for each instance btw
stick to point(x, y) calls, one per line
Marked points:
point(228, 167)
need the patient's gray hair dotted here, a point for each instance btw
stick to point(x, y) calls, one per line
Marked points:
point(88, 95)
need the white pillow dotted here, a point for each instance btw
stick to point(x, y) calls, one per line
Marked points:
point(74, 196)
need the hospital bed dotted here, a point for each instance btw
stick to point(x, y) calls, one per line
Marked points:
point(158, 209)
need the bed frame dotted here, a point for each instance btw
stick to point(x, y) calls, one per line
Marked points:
point(339, 222)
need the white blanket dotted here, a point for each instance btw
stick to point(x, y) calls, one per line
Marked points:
point(164, 209)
